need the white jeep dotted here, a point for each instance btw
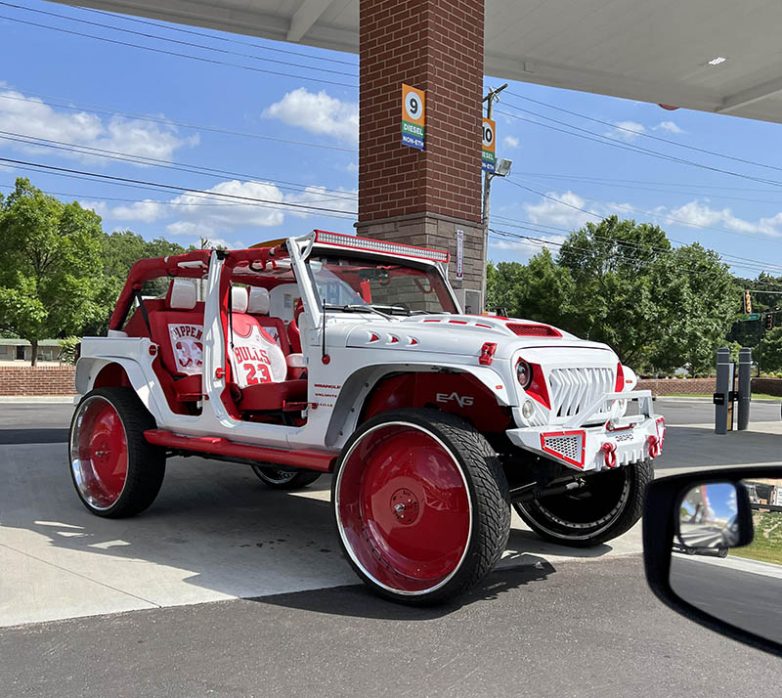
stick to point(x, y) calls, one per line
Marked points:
point(330, 353)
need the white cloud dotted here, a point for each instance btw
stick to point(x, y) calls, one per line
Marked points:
point(700, 214)
point(563, 212)
point(510, 142)
point(669, 126)
point(146, 211)
point(343, 200)
point(317, 113)
point(98, 207)
point(219, 216)
point(529, 247)
point(34, 118)
point(626, 130)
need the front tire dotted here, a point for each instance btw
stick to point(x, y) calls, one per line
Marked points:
point(606, 507)
point(115, 471)
point(280, 479)
point(421, 504)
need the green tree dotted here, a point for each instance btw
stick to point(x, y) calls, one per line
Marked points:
point(613, 298)
point(50, 265)
point(768, 353)
point(696, 307)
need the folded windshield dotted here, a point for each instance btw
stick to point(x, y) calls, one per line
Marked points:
point(355, 284)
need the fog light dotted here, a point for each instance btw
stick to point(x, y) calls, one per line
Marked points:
point(527, 409)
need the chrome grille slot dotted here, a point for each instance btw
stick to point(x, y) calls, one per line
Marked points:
point(576, 389)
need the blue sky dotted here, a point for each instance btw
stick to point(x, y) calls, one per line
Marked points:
point(554, 174)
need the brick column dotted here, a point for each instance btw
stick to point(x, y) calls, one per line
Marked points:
point(404, 194)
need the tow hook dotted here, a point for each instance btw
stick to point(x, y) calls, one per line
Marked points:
point(609, 454)
point(655, 446)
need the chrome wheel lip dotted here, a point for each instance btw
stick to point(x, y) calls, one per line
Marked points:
point(343, 537)
point(73, 450)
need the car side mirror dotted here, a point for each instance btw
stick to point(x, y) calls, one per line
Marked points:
point(713, 550)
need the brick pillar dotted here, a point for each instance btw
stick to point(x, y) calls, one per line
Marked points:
point(405, 194)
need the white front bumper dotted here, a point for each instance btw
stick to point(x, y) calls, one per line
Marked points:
point(611, 445)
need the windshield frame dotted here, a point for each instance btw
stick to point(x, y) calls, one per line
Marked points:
point(335, 253)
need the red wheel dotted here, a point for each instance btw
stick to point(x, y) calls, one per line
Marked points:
point(115, 471)
point(416, 515)
point(99, 453)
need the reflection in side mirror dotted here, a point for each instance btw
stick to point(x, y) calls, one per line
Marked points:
point(708, 519)
point(713, 550)
point(739, 581)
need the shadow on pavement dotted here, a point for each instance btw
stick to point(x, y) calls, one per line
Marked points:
point(359, 602)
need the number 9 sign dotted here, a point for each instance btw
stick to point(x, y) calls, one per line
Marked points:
point(413, 105)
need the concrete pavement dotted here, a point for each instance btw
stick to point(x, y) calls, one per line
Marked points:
point(215, 532)
point(570, 629)
point(158, 605)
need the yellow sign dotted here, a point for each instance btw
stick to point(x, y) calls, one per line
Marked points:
point(413, 117)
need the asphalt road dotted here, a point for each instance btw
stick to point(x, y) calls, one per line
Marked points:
point(579, 629)
point(748, 601)
point(551, 622)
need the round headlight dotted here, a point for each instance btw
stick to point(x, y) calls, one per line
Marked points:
point(523, 373)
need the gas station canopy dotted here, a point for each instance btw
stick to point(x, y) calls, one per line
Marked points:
point(712, 55)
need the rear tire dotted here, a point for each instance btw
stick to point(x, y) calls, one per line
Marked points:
point(608, 506)
point(421, 505)
point(115, 471)
point(280, 479)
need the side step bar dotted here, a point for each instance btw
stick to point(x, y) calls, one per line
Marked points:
point(213, 445)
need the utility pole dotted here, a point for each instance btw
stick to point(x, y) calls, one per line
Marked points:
point(489, 99)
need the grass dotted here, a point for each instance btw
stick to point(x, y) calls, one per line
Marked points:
point(755, 396)
point(767, 545)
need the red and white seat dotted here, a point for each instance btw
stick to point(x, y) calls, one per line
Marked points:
point(258, 364)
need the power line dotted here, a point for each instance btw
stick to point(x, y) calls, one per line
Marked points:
point(603, 140)
point(634, 186)
point(627, 208)
point(167, 122)
point(585, 251)
point(179, 42)
point(172, 187)
point(92, 197)
point(201, 59)
point(216, 37)
point(647, 135)
point(550, 229)
point(156, 162)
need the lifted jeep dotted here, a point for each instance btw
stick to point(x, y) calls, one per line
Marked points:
point(330, 353)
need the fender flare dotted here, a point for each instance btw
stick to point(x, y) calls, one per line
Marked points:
point(360, 384)
point(88, 369)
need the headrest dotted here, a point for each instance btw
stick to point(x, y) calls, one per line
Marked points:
point(238, 299)
point(182, 294)
point(260, 303)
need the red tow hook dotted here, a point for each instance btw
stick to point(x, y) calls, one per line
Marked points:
point(609, 454)
point(655, 446)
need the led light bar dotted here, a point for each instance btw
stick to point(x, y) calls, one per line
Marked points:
point(354, 242)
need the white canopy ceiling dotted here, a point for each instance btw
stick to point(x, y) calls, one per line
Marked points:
point(649, 50)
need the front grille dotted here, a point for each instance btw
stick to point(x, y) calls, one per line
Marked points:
point(576, 389)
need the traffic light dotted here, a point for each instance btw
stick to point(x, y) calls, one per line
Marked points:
point(747, 302)
point(768, 321)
